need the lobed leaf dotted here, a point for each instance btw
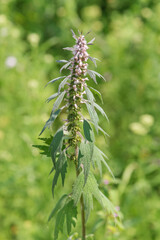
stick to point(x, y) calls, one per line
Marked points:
point(60, 168)
point(68, 213)
point(53, 116)
point(58, 206)
point(93, 115)
point(85, 155)
point(98, 156)
point(77, 188)
point(56, 144)
point(101, 110)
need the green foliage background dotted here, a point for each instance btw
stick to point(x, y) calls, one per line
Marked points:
point(128, 45)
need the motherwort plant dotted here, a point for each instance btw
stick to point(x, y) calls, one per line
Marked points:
point(74, 142)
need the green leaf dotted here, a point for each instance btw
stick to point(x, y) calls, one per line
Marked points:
point(92, 187)
point(52, 97)
point(88, 131)
point(95, 91)
point(68, 213)
point(101, 110)
point(89, 95)
point(108, 205)
point(93, 115)
point(54, 80)
point(101, 129)
point(77, 188)
point(61, 85)
point(53, 116)
point(85, 154)
point(60, 168)
point(93, 60)
point(44, 148)
point(58, 206)
point(92, 75)
point(58, 101)
point(56, 144)
point(88, 202)
point(98, 156)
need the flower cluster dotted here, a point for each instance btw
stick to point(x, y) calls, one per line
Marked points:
point(76, 89)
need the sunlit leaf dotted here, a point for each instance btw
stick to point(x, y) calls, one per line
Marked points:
point(50, 121)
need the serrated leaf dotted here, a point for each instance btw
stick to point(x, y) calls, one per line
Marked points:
point(56, 144)
point(101, 110)
point(58, 206)
point(108, 205)
point(68, 213)
point(95, 91)
point(92, 187)
point(65, 66)
point(52, 97)
point(93, 115)
point(86, 152)
point(88, 131)
point(60, 168)
point(77, 188)
point(58, 101)
point(61, 85)
point(54, 80)
point(53, 116)
point(98, 155)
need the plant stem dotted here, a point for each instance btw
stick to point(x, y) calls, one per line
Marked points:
point(81, 201)
point(83, 219)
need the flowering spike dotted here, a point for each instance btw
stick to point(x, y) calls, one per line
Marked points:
point(69, 142)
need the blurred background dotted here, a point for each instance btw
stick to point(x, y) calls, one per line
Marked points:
point(32, 35)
